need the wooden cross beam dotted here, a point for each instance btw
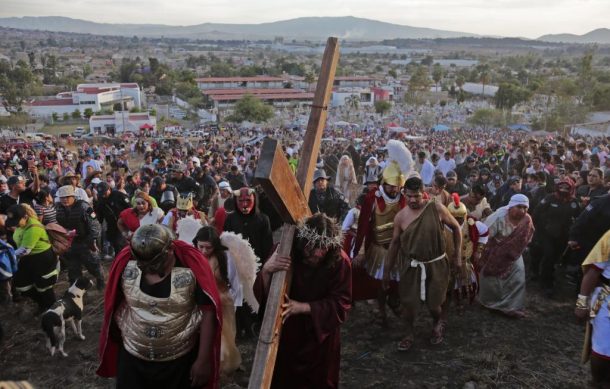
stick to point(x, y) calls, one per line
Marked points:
point(289, 195)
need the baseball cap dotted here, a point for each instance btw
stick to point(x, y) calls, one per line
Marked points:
point(224, 185)
point(96, 181)
point(513, 179)
point(469, 159)
point(12, 180)
point(14, 213)
point(451, 173)
point(493, 159)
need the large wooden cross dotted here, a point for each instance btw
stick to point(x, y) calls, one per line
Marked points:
point(289, 196)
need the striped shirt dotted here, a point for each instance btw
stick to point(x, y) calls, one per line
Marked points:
point(47, 214)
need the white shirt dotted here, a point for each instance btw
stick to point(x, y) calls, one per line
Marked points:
point(445, 165)
point(427, 172)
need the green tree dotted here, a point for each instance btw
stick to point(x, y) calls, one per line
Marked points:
point(87, 70)
point(508, 95)
point(485, 79)
point(76, 114)
point(66, 116)
point(382, 107)
point(54, 116)
point(251, 108)
point(420, 79)
point(88, 113)
point(484, 117)
point(428, 60)
point(392, 73)
point(310, 78)
point(437, 74)
point(17, 84)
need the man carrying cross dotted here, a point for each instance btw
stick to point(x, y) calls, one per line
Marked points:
point(289, 194)
point(316, 306)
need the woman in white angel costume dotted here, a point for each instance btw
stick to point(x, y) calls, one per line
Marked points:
point(234, 266)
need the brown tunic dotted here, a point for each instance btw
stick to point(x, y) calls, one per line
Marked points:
point(423, 240)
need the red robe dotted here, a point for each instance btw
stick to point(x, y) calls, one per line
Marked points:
point(188, 256)
point(309, 352)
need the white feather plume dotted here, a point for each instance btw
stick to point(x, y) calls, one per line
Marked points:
point(187, 228)
point(397, 151)
point(246, 264)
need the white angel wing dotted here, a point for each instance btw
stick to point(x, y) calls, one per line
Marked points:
point(246, 264)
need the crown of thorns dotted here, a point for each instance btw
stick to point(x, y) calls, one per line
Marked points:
point(315, 239)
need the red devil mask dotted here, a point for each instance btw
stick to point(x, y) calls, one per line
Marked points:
point(245, 200)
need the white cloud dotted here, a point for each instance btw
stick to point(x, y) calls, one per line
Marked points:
point(529, 18)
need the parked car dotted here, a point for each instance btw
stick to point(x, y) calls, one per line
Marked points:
point(79, 132)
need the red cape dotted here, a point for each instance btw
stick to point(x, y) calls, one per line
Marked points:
point(188, 256)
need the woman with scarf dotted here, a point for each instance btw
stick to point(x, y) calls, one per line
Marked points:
point(501, 268)
point(346, 181)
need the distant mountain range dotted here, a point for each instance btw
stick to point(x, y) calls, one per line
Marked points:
point(312, 28)
point(601, 35)
point(307, 28)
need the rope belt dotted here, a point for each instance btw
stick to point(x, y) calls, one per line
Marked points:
point(422, 266)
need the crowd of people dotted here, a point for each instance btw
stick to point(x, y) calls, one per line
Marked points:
point(401, 218)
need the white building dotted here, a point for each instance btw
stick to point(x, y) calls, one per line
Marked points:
point(120, 122)
point(365, 95)
point(257, 82)
point(97, 97)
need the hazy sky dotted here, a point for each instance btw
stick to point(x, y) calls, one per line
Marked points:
point(527, 18)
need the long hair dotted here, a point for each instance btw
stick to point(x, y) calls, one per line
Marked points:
point(29, 211)
point(209, 234)
point(325, 226)
point(144, 196)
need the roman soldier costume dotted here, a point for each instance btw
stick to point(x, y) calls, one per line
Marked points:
point(474, 238)
point(376, 221)
point(158, 333)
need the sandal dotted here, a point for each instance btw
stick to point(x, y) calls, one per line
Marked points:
point(438, 332)
point(405, 344)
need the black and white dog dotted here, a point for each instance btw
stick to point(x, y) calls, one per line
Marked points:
point(68, 308)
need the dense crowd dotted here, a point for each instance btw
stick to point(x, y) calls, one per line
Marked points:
point(553, 189)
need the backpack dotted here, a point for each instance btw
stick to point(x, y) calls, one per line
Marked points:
point(59, 238)
point(8, 261)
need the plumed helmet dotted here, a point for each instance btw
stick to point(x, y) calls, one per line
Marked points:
point(400, 163)
point(149, 246)
point(185, 201)
point(457, 208)
point(392, 175)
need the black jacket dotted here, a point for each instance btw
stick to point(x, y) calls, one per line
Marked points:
point(592, 223)
point(109, 208)
point(331, 202)
point(255, 228)
point(82, 218)
point(553, 218)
